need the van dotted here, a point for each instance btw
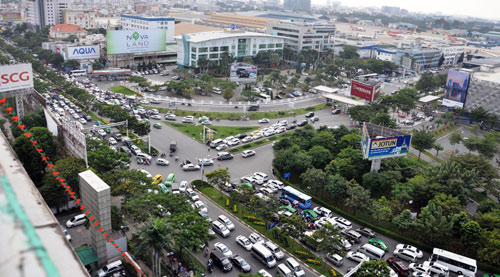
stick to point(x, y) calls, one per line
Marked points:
point(284, 271)
point(173, 146)
point(110, 269)
point(264, 255)
point(398, 266)
point(372, 251)
point(221, 261)
point(295, 267)
point(352, 235)
point(220, 229)
point(215, 143)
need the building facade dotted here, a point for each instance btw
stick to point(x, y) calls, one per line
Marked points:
point(133, 22)
point(302, 35)
point(297, 5)
point(46, 12)
point(61, 31)
point(421, 58)
point(451, 54)
point(211, 45)
point(82, 18)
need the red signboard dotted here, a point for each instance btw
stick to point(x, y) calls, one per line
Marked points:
point(365, 91)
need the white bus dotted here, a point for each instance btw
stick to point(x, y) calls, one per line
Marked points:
point(456, 263)
point(80, 72)
point(265, 97)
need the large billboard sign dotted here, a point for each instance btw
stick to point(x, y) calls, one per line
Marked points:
point(136, 41)
point(241, 72)
point(365, 91)
point(16, 76)
point(83, 52)
point(455, 93)
point(384, 147)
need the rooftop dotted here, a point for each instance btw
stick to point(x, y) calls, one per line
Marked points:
point(188, 28)
point(239, 20)
point(147, 18)
point(93, 180)
point(213, 35)
point(67, 28)
point(493, 76)
point(343, 99)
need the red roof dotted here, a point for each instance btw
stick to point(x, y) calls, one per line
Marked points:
point(67, 28)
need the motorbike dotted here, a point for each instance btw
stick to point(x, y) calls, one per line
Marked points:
point(235, 107)
point(210, 266)
point(176, 158)
point(163, 155)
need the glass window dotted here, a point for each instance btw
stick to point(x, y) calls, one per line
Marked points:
point(233, 47)
point(262, 46)
point(254, 46)
point(270, 45)
point(254, 52)
point(204, 56)
point(203, 49)
point(214, 49)
point(279, 45)
point(224, 48)
point(193, 56)
point(214, 56)
point(193, 64)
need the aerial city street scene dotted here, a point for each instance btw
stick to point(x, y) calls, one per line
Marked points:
point(249, 138)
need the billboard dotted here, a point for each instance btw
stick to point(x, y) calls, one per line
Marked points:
point(241, 72)
point(82, 52)
point(16, 76)
point(366, 91)
point(457, 84)
point(387, 147)
point(11, 16)
point(136, 41)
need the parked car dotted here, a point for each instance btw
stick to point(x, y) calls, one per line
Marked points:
point(398, 266)
point(248, 153)
point(241, 264)
point(244, 242)
point(302, 123)
point(357, 256)
point(378, 243)
point(205, 162)
point(183, 186)
point(191, 167)
point(224, 249)
point(162, 162)
point(226, 221)
point(255, 238)
point(309, 114)
point(76, 221)
point(367, 232)
point(411, 248)
point(264, 120)
point(335, 259)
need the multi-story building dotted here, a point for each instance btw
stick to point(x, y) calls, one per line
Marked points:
point(452, 53)
point(133, 22)
point(82, 18)
point(46, 12)
point(211, 45)
point(297, 5)
point(304, 35)
point(421, 58)
point(484, 85)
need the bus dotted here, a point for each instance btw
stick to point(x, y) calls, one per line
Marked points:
point(265, 97)
point(296, 197)
point(80, 72)
point(456, 263)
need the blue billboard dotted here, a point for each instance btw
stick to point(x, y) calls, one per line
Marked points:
point(457, 84)
point(388, 147)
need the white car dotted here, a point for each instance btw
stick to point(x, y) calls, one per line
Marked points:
point(247, 139)
point(156, 116)
point(323, 211)
point(405, 254)
point(264, 273)
point(437, 269)
point(101, 132)
point(264, 120)
point(261, 175)
point(269, 133)
point(248, 153)
point(205, 162)
point(418, 268)
point(188, 119)
point(224, 249)
point(112, 141)
point(191, 167)
point(411, 248)
point(162, 162)
point(82, 121)
point(267, 191)
point(76, 220)
point(233, 142)
point(226, 221)
point(194, 196)
point(357, 256)
point(221, 147)
point(271, 187)
point(200, 205)
point(343, 223)
point(244, 242)
point(170, 116)
point(183, 186)
point(276, 183)
point(255, 238)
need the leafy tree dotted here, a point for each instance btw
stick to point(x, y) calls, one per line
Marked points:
point(490, 220)
point(438, 147)
point(487, 206)
point(373, 268)
point(422, 140)
point(455, 138)
point(384, 119)
point(292, 160)
point(103, 158)
point(402, 192)
point(404, 221)
point(433, 223)
point(320, 156)
point(153, 236)
point(189, 229)
point(380, 182)
point(426, 82)
point(358, 198)
point(227, 94)
point(314, 178)
point(349, 163)
point(293, 226)
point(126, 182)
point(329, 238)
point(72, 64)
point(336, 186)
point(350, 140)
point(381, 209)
point(471, 235)
point(97, 65)
point(265, 208)
point(29, 156)
point(479, 114)
point(218, 178)
point(349, 52)
point(449, 204)
point(457, 220)
point(116, 218)
point(53, 193)
point(490, 252)
point(484, 169)
point(325, 139)
point(36, 119)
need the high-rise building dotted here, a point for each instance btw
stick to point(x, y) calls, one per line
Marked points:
point(46, 12)
point(297, 5)
point(304, 35)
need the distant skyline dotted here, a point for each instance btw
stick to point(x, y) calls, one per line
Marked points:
point(479, 8)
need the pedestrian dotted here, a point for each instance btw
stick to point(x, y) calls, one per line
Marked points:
point(208, 149)
point(274, 171)
point(206, 251)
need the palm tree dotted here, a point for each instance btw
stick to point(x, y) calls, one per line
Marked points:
point(154, 236)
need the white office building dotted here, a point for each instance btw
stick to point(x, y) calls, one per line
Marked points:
point(452, 53)
point(133, 22)
point(304, 35)
point(46, 12)
point(211, 45)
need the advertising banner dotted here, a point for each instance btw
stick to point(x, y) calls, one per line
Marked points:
point(11, 16)
point(136, 41)
point(16, 76)
point(455, 93)
point(365, 91)
point(82, 52)
point(241, 72)
point(388, 147)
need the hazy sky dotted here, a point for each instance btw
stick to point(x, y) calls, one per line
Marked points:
point(478, 8)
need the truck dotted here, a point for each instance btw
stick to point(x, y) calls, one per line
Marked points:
point(173, 145)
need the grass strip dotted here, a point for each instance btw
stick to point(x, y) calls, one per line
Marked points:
point(124, 90)
point(250, 218)
point(194, 131)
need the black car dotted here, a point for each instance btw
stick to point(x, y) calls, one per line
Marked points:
point(253, 108)
point(284, 202)
point(221, 261)
point(241, 264)
point(241, 136)
point(225, 157)
point(302, 123)
point(309, 114)
point(242, 73)
point(291, 126)
point(88, 117)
